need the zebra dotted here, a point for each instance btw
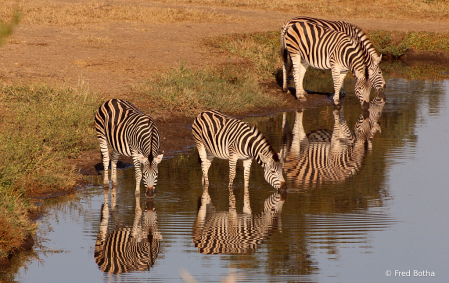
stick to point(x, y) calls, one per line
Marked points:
point(219, 135)
point(127, 248)
point(229, 232)
point(351, 30)
point(129, 132)
point(308, 44)
point(330, 155)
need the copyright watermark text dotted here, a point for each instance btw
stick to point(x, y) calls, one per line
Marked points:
point(410, 273)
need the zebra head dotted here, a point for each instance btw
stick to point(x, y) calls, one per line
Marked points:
point(375, 74)
point(273, 171)
point(150, 173)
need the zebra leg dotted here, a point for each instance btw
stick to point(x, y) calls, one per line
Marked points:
point(138, 169)
point(286, 71)
point(299, 70)
point(105, 155)
point(338, 76)
point(342, 76)
point(232, 167)
point(246, 168)
point(206, 161)
point(114, 160)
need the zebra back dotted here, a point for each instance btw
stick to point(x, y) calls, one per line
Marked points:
point(224, 135)
point(125, 128)
point(319, 45)
point(356, 33)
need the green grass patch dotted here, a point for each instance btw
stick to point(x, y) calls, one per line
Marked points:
point(41, 128)
point(230, 88)
point(15, 225)
point(44, 127)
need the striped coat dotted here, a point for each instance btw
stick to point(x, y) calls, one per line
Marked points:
point(307, 44)
point(221, 136)
point(129, 132)
point(329, 155)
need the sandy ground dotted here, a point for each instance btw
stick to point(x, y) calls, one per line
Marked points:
point(126, 53)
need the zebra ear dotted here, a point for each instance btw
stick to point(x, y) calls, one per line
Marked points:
point(158, 158)
point(377, 59)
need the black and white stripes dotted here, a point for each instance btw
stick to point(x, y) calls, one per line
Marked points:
point(218, 135)
point(329, 155)
point(338, 46)
point(129, 132)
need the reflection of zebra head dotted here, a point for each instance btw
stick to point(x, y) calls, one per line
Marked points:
point(127, 247)
point(228, 232)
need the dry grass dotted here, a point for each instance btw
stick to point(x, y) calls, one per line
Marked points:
point(379, 9)
point(79, 12)
point(51, 13)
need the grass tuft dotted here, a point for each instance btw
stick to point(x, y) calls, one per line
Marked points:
point(397, 43)
point(229, 88)
point(42, 128)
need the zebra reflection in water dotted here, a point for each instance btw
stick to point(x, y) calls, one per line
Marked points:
point(127, 248)
point(228, 232)
point(329, 155)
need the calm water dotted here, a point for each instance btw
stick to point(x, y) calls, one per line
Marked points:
point(387, 212)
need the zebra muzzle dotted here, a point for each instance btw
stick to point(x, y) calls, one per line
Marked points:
point(283, 186)
point(150, 192)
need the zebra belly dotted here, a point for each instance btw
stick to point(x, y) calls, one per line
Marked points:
point(225, 154)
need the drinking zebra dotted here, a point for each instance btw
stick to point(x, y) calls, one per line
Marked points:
point(127, 248)
point(132, 133)
point(308, 44)
point(357, 34)
point(218, 135)
point(330, 155)
point(229, 232)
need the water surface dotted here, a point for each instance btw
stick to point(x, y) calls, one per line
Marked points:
point(385, 215)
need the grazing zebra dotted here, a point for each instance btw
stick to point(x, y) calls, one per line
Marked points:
point(127, 248)
point(307, 44)
point(357, 34)
point(218, 135)
point(129, 132)
point(228, 232)
point(325, 155)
